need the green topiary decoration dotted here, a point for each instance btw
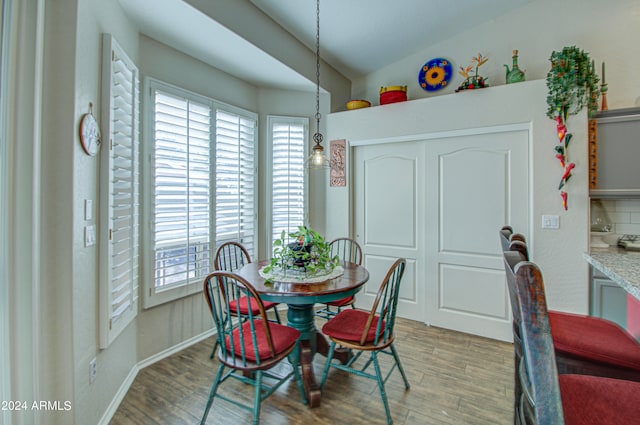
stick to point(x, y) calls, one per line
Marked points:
point(573, 84)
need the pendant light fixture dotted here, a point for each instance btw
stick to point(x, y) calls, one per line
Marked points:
point(318, 159)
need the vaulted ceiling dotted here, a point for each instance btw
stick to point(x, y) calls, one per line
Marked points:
point(356, 36)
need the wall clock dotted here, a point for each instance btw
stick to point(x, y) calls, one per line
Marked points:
point(435, 74)
point(90, 133)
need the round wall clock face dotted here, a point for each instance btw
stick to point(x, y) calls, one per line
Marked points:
point(435, 74)
point(90, 134)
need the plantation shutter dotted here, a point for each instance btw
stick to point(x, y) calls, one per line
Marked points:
point(182, 191)
point(119, 268)
point(287, 174)
point(200, 187)
point(235, 179)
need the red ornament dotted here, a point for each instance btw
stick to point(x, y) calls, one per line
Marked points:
point(562, 129)
point(567, 171)
point(563, 195)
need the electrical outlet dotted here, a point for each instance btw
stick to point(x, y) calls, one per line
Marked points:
point(93, 370)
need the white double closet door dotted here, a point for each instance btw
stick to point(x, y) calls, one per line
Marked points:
point(439, 202)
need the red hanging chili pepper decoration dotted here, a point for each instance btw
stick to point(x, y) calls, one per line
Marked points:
point(563, 195)
point(567, 171)
point(562, 129)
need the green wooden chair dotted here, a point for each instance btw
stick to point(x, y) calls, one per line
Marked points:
point(369, 331)
point(229, 257)
point(348, 250)
point(249, 347)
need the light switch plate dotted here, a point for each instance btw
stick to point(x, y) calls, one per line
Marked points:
point(550, 222)
point(89, 235)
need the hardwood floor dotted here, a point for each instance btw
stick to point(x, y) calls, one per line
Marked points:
point(455, 379)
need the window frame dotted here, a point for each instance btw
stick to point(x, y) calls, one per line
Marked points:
point(271, 121)
point(151, 295)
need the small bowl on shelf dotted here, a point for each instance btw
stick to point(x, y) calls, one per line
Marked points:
point(357, 104)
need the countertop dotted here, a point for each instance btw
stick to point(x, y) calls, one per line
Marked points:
point(623, 267)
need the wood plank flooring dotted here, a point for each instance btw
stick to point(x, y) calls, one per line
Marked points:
point(455, 379)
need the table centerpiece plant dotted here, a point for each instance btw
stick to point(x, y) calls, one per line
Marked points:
point(308, 255)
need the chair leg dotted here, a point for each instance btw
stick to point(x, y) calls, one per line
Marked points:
point(212, 394)
point(327, 364)
point(257, 399)
point(383, 393)
point(397, 359)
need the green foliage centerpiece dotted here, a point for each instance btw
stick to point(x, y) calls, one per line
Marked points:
point(309, 255)
point(572, 84)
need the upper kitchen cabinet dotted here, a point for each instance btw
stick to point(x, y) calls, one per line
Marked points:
point(615, 150)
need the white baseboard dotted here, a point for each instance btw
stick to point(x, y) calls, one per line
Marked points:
point(126, 384)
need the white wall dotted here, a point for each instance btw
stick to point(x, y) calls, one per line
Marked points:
point(67, 289)
point(23, 237)
point(559, 252)
point(64, 282)
point(249, 22)
point(608, 31)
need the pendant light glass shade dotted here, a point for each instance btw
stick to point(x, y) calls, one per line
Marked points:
point(318, 159)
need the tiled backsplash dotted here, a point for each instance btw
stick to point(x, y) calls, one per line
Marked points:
point(623, 214)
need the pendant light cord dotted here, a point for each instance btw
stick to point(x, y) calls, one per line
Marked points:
point(317, 137)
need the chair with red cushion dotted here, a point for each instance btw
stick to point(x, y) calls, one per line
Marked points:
point(549, 398)
point(369, 331)
point(250, 348)
point(231, 256)
point(586, 345)
point(347, 250)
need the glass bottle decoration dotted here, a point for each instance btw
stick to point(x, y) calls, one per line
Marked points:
point(515, 75)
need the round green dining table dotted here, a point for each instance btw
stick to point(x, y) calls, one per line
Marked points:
point(300, 298)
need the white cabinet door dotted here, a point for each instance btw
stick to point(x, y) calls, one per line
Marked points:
point(439, 203)
point(476, 183)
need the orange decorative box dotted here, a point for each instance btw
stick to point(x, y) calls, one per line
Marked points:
point(393, 94)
